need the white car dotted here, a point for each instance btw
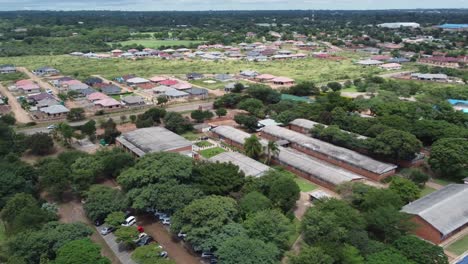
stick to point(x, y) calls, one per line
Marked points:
point(49, 91)
point(166, 220)
point(52, 127)
point(131, 220)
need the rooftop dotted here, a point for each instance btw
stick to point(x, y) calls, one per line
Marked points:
point(248, 166)
point(445, 209)
point(338, 153)
point(322, 170)
point(152, 139)
point(55, 109)
point(307, 124)
point(234, 134)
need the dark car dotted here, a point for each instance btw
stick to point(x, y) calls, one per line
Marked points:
point(99, 221)
point(214, 260)
point(144, 241)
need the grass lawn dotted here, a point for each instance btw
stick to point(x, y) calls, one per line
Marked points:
point(208, 153)
point(191, 136)
point(154, 43)
point(309, 69)
point(443, 182)
point(203, 144)
point(460, 246)
point(351, 89)
point(117, 96)
point(305, 185)
point(427, 190)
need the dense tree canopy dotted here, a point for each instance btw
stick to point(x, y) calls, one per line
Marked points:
point(102, 200)
point(217, 178)
point(80, 251)
point(449, 157)
point(249, 251)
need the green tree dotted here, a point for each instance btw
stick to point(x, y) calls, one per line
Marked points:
point(406, 189)
point(80, 251)
point(102, 200)
point(75, 114)
point(40, 144)
point(15, 177)
point(311, 255)
point(272, 150)
point(220, 112)
point(350, 255)
point(449, 157)
point(54, 178)
point(396, 144)
point(387, 257)
point(114, 219)
point(150, 254)
point(162, 100)
point(247, 121)
point(89, 129)
point(418, 177)
point(168, 197)
point(156, 168)
point(199, 115)
point(22, 212)
point(387, 223)
point(252, 105)
point(253, 148)
point(44, 243)
point(270, 226)
point(8, 119)
point(65, 132)
point(331, 221)
point(204, 217)
point(284, 192)
point(335, 86)
point(110, 131)
point(84, 172)
point(420, 251)
point(254, 202)
point(264, 93)
point(126, 236)
point(177, 123)
point(217, 178)
point(304, 89)
point(248, 251)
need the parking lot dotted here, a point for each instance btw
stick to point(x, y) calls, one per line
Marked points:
point(123, 256)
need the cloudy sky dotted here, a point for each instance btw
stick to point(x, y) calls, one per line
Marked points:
point(156, 5)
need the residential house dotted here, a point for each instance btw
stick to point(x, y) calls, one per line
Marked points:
point(369, 62)
point(182, 86)
point(194, 76)
point(265, 77)
point(441, 61)
point(85, 92)
point(398, 60)
point(137, 81)
point(168, 82)
point(116, 53)
point(93, 81)
point(111, 90)
point(7, 68)
point(439, 77)
point(108, 103)
point(54, 112)
point(249, 74)
point(46, 103)
point(161, 90)
point(46, 71)
point(381, 57)
point(27, 87)
point(223, 77)
point(176, 94)
point(133, 100)
point(197, 92)
point(157, 79)
point(96, 97)
point(283, 81)
point(34, 99)
point(390, 66)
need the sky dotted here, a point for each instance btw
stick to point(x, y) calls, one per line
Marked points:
point(186, 5)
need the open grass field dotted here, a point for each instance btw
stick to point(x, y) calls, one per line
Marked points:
point(460, 246)
point(208, 153)
point(191, 136)
point(155, 44)
point(309, 69)
point(427, 190)
point(305, 185)
point(443, 182)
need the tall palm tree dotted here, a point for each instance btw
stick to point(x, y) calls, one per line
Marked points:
point(253, 147)
point(272, 150)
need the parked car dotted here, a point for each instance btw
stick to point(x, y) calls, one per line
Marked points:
point(99, 221)
point(144, 241)
point(163, 254)
point(131, 220)
point(160, 215)
point(213, 260)
point(51, 127)
point(107, 230)
point(166, 220)
point(140, 236)
point(49, 91)
point(207, 254)
point(181, 235)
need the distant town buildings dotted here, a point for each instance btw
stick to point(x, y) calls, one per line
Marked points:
point(399, 25)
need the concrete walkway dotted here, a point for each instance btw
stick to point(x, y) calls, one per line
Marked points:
point(124, 256)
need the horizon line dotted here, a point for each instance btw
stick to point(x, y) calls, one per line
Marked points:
point(227, 10)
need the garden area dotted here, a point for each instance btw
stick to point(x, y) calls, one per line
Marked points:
point(305, 185)
point(460, 246)
point(209, 153)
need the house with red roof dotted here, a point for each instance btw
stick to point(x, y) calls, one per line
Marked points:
point(390, 66)
point(168, 82)
point(108, 103)
point(283, 81)
point(265, 77)
point(96, 96)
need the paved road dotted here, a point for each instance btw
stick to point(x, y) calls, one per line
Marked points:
point(123, 256)
point(20, 114)
point(176, 108)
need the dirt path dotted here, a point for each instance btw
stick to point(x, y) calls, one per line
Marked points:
point(434, 185)
point(71, 211)
point(43, 84)
point(175, 249)
point(20, 114)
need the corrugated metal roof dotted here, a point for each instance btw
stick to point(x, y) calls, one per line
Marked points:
point(249, 166)
point(234, 134)
point(152, 139)
point(308, 124)
point(341, 154)
point(318, 168)
point(445, 209)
